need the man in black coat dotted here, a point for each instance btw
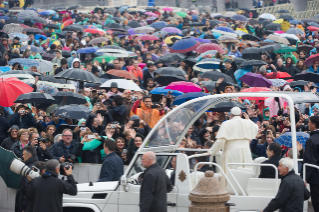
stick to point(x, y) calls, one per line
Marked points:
point(311, 157)
point(155, 185)
point(274, 155)
point(29, 158)
point(292, 191)
point(22, 118)
point(46, 192)
point(13, 137)
point(230, 68)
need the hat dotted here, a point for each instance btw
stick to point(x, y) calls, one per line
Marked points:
point(134, 117)
point(16, 38)
point(151, 48)
point(114, 85)
point(14, 127)
point(236, 111)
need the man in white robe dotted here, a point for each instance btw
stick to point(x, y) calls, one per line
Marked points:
point(233, 138)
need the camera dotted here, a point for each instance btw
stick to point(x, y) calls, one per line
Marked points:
point(71, 157)
point(43, 140)
point(67, 166)
point(22, 111)
point(304, 128)
point(20, 168)
point(91, 136)
point(283, 118)
point(113, 126)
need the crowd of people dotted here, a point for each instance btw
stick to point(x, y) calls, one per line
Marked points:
point(153, 50)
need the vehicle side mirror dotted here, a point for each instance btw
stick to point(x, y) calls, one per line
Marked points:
point(123, 182)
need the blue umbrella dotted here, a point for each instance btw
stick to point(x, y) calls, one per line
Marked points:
point(4, 9)
point(208, 63)
point(51, 12)
point(225, 29)
point(161, 90)
point(37, 37)
point(285, 139)
point(185, 45)
point(201, 40)
point(159, 24)
point(188, 96)
point(295, 22)
point(24, 62)
point(4, 17)
point(33, 49)
point(163, 33)
point(239, 18)
point(88, 50)
point(31, 8)
point(44, 13)
point(5, 68)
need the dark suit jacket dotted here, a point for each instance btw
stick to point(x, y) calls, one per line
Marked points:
point(268, 171)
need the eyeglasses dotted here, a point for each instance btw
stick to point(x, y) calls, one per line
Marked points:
point(25, 134)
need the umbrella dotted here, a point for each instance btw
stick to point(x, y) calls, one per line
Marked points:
point(107, 58)
point(247, 43)
point(122, 73)
point(27, 14)
point(208, 63)
point(88, 50)
point(112, 47)
point(312, 28)
point(172, 30)
point(34, 74)
point(285, 16)
point(75, 28)
point(253, 90)
point(278, 39)
point(229, 14)
point(278, 82)
point(215, 75)
point(239, 18)
point(307, 20)
point(33, 31)
point(24, 62)
point(114, 52)
point(170, 58)
point(10, 89)
point(50, 78)
point(313, 24)
point(294, 31)
point(158, 25)
point(171, 70)
point(45, 66)
point(225, 39)
point(73, 111)
point(167, 9)
point(181, 14)
point(250, 37)
point(13, 20)
point(166, 79)
point(163, 91)
point(268, 48)
point(184, 87)
point(22, 37)
point(32, 49)
point(299, 83)
point(160, 34)
point(244, 8)
point(144, 29)
point(281, 75)
point(188, 96)
point(35, 98)
point(273, 26)
point(39, 20)
point(286, 49)
point(122, 84)
point(78, 74)
point(255, 80)
point(151, 9)
point(224, 31)
point(69, 97)
point(48, 56)
point(312, 77)
point(251, 53)
point(226, 106)
point(98, 40)
point(286, 139)
point(184, 46)
point(267, 16)
point(172, 39)
point(309, 61)
point(282, 11)
point(252, 21)
point(10, 178)
point(134, 24)
point(210, 46)
point(295, 22)
point(147, 37)
point(253, 63)
point(201, 40)
point(12, 28)
point(238, 60)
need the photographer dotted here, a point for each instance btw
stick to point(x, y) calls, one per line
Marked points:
point(138, 125)
point(64, 150)
point(22, 118)
point(89, 148)
point(98, 117)
point(118, 110)
point(40, 145)
point(46, 192)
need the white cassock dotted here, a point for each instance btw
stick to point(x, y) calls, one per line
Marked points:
point(233, 137)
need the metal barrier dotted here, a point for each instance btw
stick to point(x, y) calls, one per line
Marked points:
point(251, 164)
point(304, 169)
point(220, 168)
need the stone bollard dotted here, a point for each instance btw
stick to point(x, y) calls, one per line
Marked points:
point(208, 195)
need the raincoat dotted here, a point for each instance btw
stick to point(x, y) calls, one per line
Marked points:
point(265, 117)
point(311, 110)
point(70, 59)
point(285, 25)
point(241, 72)
point(150, 116)
point(109, 20)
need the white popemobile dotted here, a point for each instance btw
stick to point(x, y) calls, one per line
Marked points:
point(246, 189)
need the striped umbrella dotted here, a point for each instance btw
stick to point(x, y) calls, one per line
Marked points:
point(27, 14)
point(12, 28)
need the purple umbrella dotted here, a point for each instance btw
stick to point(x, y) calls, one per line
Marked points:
point(201, 40)
point(131, 32)
point(172, 30)
point(151, 18)
point(155, 57)
point(255, 80)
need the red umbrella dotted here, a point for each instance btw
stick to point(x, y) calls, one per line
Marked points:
point(94, 31)
point(210, 46)
point(280, 75)
point(10, 89)
point(147, 37)
point(254, 90)
point(312, 28)
point(24, 26)
point(122, 73)
point(311, 59)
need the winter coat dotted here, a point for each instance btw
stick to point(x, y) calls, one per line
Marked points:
point(229, 72)
point(16, 149)
point(46, 192)
point(112, 168)
point(311, 157)
point(89, 156)
point(59, 149)
point(154, 188)
point(268, 171)
point(118, 113)
point(4, 126)
point(26, 121)
point(292, 70)
point(291, 195)
point(7, 143)
point(258, 149)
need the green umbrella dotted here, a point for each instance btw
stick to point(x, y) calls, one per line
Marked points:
point(51, 108)
point(9, 177)
point(286, 49)
point(181, 14)
point(106, 57)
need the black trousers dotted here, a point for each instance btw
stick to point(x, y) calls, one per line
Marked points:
point(314, 192)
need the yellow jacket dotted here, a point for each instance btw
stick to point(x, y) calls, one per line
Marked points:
point(285, 25)
point(242, 29)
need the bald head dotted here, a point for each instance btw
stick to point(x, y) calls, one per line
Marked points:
point(148, 159)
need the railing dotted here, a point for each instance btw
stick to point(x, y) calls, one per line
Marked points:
point(304, 169)
point(251, 164)
point(220, 168)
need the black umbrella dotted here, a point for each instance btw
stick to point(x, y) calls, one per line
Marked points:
point(239, 60)
point(35, 98)
point(213, 23)
point(250, 37)
point(244, 8)
point(120, 33)
point(69, 98)
point(265, 43)
point(39, 20)
point(190, 61)
point(171, 25)
point(134, 24)
point(264, 23)
point(253, 21)
point(73, 7)
point(286, 16)
point(226, 106)
point(196, 24)
point(171, 71)
point(210, 85)
point(268, 32)
point(116, 19)
point(166, 79)
point(35, 74)
point(272, 26)
point(313, 24)
point(112, 47)
point(170, 58)
point(298, 83)
point(307, 20)
point(312, 77)
point(50, 78)
point(47, 56)
point(3, 34)
point(13, 21)
point(78, 74)
point(153, 9)
point(61, 34)
point(215, 75)
point(66, 53)
point(73, 27)
point(114, 26)
point(73, 111)
point(251, 53)
point(268, 48)
point(33, 31)
point(306, 48)
point(253, 63)
point(52, 26)
point(282, 11)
